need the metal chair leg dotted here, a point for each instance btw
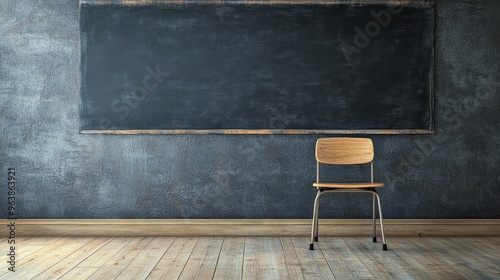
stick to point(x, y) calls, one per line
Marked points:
point(316, 233)
point(374, 221)
point(384, 246)
point(311, 244)
point(314, 229)
point(315, 223)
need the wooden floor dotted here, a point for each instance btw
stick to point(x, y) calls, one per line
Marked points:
point(253, 258)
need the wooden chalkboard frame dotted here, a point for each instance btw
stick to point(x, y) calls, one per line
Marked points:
point(429, 130)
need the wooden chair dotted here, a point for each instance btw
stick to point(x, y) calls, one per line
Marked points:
point(345, 151)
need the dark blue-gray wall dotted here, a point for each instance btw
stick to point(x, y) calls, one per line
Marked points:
point(64, 174)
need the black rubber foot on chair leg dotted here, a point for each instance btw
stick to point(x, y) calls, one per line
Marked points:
point(374, 239)
point(385, 247)
point(316, 239)
point(311, 246)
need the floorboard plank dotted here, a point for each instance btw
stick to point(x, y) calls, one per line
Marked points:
point(406, 254)
point(344, 263)
point(91, 264)
point(492, 243)
point(203, 259)
point(418, 255)
point(46, 257)
point(312, 262)
point(26, 246)
point(22, 252)
point(173, 261)
point(264, 259)
point(114, 266)
point(492, 251)
point(446, 258)
point(477, 260)
point(71, 261)
point(230, 264)
point(291, 260)
point(378, 262)
point(142, 265)
point(399, 268)
point(495, 241)
point(433, 255)
point(35, 241)
point(255, 258)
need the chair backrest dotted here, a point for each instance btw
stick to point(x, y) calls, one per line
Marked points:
point(344, 150)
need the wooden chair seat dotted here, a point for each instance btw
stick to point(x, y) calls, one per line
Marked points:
point(348, 185)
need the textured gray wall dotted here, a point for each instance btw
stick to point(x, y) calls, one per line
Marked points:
point(64, 174)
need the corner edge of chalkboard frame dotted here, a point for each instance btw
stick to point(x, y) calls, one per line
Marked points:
point(258, 131)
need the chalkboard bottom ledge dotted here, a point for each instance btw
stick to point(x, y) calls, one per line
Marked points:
point(258, 131)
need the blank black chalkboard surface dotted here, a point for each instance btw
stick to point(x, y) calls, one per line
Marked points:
point(257, 67)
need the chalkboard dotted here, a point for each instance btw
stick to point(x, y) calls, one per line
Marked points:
point(261, 68)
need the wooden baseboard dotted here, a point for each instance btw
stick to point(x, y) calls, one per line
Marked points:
point(233, 227)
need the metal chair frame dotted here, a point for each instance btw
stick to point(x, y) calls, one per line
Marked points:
point(376, 198)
